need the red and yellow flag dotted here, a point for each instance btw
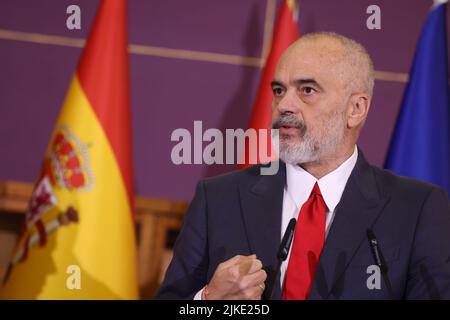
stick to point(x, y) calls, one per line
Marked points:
point(285, 33)
point(79, 240)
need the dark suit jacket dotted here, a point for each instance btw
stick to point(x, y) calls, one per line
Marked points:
point(240, 213)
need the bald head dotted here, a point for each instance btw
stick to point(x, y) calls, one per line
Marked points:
point(322, 89)
point(347, 58)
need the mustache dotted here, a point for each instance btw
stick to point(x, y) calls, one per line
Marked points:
point(289, 120)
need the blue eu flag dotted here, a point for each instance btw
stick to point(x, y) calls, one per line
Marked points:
point(420, 146)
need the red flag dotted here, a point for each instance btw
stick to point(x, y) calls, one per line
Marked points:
point(285, 33)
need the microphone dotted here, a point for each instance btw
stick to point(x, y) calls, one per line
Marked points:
point(283, 252)
point(379, 260)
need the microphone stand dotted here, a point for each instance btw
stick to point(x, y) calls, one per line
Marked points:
point(283, 252)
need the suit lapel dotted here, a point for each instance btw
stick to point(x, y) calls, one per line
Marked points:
point(360, 205)
point(262, 204)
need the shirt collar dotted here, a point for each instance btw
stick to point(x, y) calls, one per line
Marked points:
point(300, 182)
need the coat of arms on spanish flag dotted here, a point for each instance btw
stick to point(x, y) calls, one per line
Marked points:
point(80, 215)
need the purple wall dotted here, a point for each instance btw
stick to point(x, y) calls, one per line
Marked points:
point(171, 93)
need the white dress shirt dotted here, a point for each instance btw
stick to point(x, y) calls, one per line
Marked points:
point(299, 184)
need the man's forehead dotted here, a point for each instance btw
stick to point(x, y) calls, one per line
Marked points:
point(319, 60)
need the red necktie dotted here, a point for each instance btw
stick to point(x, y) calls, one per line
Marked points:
point(308, 243)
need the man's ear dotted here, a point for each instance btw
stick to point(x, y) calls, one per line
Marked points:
point(358, 109)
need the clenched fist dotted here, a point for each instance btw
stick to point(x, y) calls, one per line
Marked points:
point(239, 278)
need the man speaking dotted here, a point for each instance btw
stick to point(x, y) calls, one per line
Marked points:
point(355, 222)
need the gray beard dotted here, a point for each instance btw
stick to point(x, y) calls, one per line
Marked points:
point(299, 149)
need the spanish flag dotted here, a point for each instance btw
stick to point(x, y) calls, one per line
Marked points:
point(285, 33)
point(79, 241)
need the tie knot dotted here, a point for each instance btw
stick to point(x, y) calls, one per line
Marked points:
point(316, 190)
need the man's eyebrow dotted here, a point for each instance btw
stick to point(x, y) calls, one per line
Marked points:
point(298, 82)
point(276, 83)
point(307, 81)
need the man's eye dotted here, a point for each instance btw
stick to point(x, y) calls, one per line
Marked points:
point(277, 91)
point(308, 90)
